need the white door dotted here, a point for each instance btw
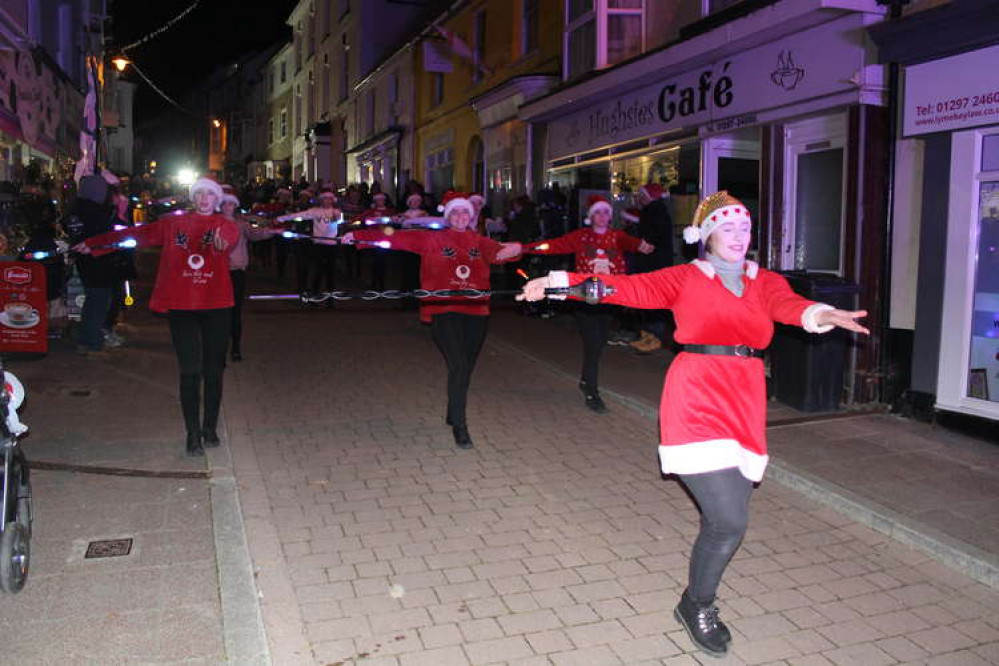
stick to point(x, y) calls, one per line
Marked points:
point(968, 375)
point(815, 162)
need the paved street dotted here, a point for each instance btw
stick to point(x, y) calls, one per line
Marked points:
point(554, 541)
point(370, 540)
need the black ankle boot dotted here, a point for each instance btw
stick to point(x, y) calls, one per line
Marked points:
point(702, 625)
point(194, 446)
point(593, 399)
point(209, 438)
point(461, 437)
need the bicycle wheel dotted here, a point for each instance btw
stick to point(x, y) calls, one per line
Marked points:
point(15, 551)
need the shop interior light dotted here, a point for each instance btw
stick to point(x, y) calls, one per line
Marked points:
point(186, 177)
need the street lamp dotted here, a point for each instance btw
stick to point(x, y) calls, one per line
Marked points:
point(216, 123)
point(120, 62)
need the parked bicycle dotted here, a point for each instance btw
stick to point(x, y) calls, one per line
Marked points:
point(15, 512)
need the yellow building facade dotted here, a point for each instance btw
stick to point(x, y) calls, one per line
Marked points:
point(473, 71)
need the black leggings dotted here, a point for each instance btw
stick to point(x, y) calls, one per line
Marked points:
point(459, 337)
point(238, 294)
point(723, 498)
point(594, 322)
point(200, 338)
point(324, 266)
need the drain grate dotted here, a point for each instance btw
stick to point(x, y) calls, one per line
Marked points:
point(108, 548)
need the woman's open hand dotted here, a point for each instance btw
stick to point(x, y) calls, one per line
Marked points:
point(534, 290)
point(843, 319)
point(509, 251)
point(646, 247)
point(81, 248)
point(220, 243)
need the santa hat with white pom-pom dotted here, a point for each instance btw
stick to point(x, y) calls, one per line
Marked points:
point(453, 199)
point(714, 210)
point(594, 203)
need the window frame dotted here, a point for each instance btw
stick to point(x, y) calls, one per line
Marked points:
point(479, 33)
point(600, 13)
point(529, 25)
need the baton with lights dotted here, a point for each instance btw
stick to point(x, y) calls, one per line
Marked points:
point(125, 244)
point(295, 235)
point(592, 291)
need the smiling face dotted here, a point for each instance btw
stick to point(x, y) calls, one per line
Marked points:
point(459, 218)
point(730, 241)
point(205, 201)
point(600, 220)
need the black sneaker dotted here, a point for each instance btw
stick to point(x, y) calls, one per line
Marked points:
point(210, 438)
point(703, 626)
point(592, 398)
point(194, 446)
point(461, 437)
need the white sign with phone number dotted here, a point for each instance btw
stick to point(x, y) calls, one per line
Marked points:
point(952, 93)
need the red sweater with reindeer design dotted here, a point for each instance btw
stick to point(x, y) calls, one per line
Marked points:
point(595, 253)
point(449, 259)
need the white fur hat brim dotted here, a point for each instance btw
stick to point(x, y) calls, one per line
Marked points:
point(206, 184)
point(458, 202)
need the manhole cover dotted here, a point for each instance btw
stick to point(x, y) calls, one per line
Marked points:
point(108, 548)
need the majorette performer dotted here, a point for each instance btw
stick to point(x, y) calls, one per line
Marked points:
point(713, 409)
point(599, 250)
point(453, 258)
point(325, 218)
point(194, 290)
point(239, 259)
point(379, 213)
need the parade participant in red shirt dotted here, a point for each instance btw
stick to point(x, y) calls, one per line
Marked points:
point(713, 410)
point(599, 250)
point(454, 258)
point(325, 219)
point(194, 290)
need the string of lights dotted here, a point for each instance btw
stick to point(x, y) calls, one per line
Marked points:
point(159, 90)
point(163, 28)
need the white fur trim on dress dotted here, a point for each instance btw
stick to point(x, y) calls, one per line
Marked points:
point(558, 279)
point(808, 318)
point(710, 456)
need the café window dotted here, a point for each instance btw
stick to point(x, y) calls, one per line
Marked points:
point(601, 33)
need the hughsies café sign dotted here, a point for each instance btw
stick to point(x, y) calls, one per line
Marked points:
point(815, 63)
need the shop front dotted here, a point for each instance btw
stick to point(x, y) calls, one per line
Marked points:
point(959, 96)
point(791, 121)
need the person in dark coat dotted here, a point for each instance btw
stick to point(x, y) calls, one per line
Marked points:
point(91, 216)
point(655, 227)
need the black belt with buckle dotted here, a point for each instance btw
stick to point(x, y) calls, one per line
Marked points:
point(741, 351)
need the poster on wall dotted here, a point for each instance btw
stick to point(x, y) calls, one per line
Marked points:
point(23, 309)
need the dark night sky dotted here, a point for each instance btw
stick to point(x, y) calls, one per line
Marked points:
point(216, 32)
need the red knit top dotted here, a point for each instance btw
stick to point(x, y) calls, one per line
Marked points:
point(595, 253)
point(449, 259)
point(192, 274)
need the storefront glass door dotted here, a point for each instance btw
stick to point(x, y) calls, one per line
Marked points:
point(983, 361)
point(731, 162)
point(814, 195)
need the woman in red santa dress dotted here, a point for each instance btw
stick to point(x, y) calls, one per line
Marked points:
point(193, 288)
point(453, 258)
point(599, 250)
point(713, 410)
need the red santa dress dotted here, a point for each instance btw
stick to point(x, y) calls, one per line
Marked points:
point(449, 260)
point(192, 274)
point(713, 410)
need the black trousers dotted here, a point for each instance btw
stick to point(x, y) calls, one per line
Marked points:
point(459, 337)
point(324, 266)
point(303, 259)
point(238, 295)
point(723, 498)
point(594, 322)
point(200, 338)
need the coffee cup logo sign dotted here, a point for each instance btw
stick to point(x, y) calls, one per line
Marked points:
point(739, 88)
